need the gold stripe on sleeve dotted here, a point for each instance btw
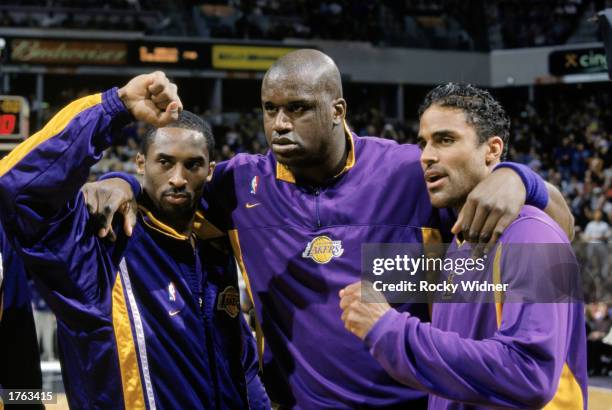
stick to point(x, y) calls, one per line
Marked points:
point(53, 127)
point(233, 235)
point(133, 396)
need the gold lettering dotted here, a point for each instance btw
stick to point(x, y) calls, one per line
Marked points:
point(51, 51)
point(159, 55)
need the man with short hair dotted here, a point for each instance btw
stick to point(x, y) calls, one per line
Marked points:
point(153, 320)
point(297, 218)
point(478, 354)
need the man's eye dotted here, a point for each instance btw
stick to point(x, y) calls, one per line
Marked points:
point(296, 108)
point(163, 162)
point(270, 109)
point(194, 165)
point(447, 141)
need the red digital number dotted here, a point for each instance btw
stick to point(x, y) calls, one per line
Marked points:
point(7, 124)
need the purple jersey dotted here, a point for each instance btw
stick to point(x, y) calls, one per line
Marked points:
point(298, 246)
point(479, 355)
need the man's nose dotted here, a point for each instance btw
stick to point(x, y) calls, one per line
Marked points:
point(178, 179)
point(282, 123)
point(429, 155)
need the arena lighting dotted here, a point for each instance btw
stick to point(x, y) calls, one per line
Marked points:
point(605, 28)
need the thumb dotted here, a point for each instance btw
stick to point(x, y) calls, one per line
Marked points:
point(170, 115)
point(457, 227)
point(173, 108)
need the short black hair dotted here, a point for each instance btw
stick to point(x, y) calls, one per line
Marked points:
point(482, 111)
point(186, 120)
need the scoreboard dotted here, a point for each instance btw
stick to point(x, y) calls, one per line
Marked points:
point(14, 121)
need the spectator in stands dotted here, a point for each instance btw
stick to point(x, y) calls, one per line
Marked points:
point(597, 233)
point(598, 326)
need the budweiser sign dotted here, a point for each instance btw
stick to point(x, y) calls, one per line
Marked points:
point(67, 52)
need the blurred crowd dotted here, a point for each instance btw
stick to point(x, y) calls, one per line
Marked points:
point(441, 24)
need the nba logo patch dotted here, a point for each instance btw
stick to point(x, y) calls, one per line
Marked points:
point(171, 292)
point(229, 301)
point(254, 184)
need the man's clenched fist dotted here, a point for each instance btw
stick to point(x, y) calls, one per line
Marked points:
point(359, 316)
point(152, 98)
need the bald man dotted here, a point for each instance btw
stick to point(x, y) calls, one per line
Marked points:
point(297, 218)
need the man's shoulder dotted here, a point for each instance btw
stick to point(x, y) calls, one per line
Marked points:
point(243, 160)
point(388, 150)
point(533, 226)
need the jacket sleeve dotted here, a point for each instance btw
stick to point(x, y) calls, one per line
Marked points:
point(258, 398)
point(44, 214)
point(517, 368)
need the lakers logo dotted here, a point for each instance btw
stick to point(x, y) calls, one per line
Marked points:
point(322, 249)
point(229, 301)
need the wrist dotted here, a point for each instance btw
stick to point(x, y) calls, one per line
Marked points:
point(128, 179)
point(122, 94)
point(536, 192)
point(381, 326)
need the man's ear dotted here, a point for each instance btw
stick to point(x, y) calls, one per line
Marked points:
point(140, 163)
point(495, 148)
point(339, 110)
point(211, 169)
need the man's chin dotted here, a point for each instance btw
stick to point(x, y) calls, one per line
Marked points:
point(178, 211)
point(298, 161)
point(287, 160)
point(440, 200)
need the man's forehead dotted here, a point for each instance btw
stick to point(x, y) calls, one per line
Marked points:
point(174, 133)
point(174, 138)
point(444, 116)
point(289, 83)
point(437, 120)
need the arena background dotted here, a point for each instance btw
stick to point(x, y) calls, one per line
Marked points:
point(543, 60)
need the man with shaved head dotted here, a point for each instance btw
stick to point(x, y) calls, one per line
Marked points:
point(306, 82)
point(298, 216)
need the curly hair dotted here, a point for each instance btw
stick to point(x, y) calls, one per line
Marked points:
point(186, 120)
point(482, 111)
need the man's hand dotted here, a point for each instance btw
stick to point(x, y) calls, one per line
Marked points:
point(152, 98)
point(104, 199)
point(359, 316)
point(491, 207)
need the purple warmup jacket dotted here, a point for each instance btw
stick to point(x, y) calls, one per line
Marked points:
point(297, 246)
point(484, 355)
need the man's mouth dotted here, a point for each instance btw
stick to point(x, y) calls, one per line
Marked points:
point(434, 179)
point(284, 149)
point(282, 140)
point(283, 145)
point(176, 199)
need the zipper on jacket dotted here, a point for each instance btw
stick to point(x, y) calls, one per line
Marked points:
point(317, 192)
